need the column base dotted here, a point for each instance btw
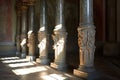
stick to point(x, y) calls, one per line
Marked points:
point(61, 67)
point(23, 55)
point(88, 73)
point(31, 58)
point(43, 61)
point(18, 54)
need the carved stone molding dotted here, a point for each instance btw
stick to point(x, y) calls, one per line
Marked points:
point(86, 41)
point(42, 35)
point(59, 46)
point(31, 43)
point(43, 47)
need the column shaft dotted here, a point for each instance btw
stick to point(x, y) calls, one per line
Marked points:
point(31, 32)
point(86, 12)
point(59, 37)
point(86, 39)
point(43, 35)
point(86, 34)
point(18, 33)
point(24, 31)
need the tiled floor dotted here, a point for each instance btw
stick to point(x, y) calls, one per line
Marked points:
point(13, 68)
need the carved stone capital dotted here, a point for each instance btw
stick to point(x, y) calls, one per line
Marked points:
point(31, 40)
point(86, 41)
point(59, 38)
point(59, 45)
point(31, 43)
point(42, 35)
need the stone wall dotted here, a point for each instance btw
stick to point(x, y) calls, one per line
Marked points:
point(7, 27)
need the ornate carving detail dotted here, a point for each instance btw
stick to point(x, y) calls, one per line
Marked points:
point(59, 38)
point(23, 40)
point(86, 40)
point(41, 35)
point(43, 43)
point(31, 43)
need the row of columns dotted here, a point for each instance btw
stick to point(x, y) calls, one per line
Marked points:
point(26, 37)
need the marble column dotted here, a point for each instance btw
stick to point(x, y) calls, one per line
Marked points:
point(43, 35)
point(18, 30)
point(23, 30)
point(59, 37)
point(31, 30)
point(86, 39)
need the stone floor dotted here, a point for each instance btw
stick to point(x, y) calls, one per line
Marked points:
point(13, 68)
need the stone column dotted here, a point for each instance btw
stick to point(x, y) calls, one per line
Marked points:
point(31, 31)
point(24, 30)
point(59, 37)
point(86, 39)
point(18, 29)
point(43, 35)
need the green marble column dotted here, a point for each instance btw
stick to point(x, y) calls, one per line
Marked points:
point(31, 30)
point(23, 30)
point(43, 35)
point(18, 29)
point(59, 37)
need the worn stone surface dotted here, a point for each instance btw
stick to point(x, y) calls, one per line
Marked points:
point(13, 68)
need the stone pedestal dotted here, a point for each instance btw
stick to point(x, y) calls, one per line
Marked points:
point(91, 74)
point(59, 66)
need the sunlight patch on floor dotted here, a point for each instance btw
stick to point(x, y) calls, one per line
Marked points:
point(22, 67)
point(54, 77)
point(21, 64)
point(8, 58)
point(25, 71)
point(11, 61)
